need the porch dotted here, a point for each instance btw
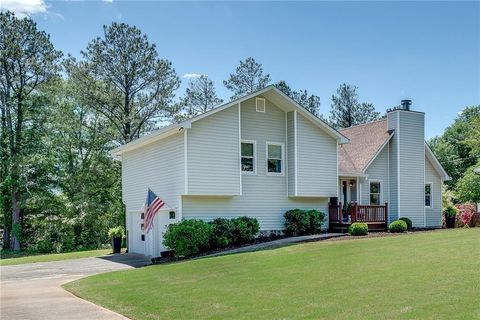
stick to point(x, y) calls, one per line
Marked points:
point(341, 217)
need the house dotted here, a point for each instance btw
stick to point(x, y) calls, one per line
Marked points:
point(263, 154)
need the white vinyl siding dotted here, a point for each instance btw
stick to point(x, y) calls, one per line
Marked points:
point(316, 160)
point(407, 166)
point(412, 167)
point(158, 166)
point(377, 171)
point(263, 196)
point(213, 154)
point(434, 213)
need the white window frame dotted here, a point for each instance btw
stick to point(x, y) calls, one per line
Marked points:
point(264, 105)
point(254, 172)
point(282, 146)
point(424, 194)
point(370, 189)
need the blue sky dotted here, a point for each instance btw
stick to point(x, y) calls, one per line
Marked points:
point(426, 51)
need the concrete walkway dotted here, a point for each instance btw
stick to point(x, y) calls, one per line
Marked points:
point(278, 243)
point(33, 291)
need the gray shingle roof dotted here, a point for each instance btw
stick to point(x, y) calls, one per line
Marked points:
point(366, 140)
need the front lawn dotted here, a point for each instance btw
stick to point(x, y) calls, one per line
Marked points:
point(21, 258)
point(431, 275)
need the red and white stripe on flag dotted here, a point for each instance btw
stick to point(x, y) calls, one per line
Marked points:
point(153, 204)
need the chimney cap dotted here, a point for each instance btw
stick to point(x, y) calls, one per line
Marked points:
point(406, 103)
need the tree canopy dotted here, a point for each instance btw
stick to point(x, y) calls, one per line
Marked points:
point(200, 96)
point(28, 61)
point(309, 102)
point(248, 78)
point(126, 81)
point(347, 111)
point(458, 150)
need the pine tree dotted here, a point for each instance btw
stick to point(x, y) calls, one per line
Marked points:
point(346, 111)
point(248, 78)
point(28, 61)
point(309, 102)
point(200, 96)
point(125, 80)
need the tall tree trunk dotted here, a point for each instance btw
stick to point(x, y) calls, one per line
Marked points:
point(16, 223)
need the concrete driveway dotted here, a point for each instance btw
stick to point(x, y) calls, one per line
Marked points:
point(32, 291)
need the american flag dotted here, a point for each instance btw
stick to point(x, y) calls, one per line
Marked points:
point(152, 205)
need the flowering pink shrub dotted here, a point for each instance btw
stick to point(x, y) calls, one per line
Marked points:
point(464, 213)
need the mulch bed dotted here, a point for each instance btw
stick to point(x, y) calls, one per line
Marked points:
point(171, 259)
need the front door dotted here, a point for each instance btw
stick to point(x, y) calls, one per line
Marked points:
point(345, 192)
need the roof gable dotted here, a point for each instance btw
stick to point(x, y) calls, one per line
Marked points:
point(271, 93)
point(435, 163)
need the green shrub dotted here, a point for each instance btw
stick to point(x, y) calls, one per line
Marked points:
point(358, 229)
point(296, 222)
point(316, 219)
point(222, 233)
point(245, 229)
point(300, 222)
point(116, 232)
point(407, 221)
point(397, 226)
point(188, 237)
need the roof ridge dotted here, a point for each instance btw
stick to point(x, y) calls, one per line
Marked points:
point(363, 124)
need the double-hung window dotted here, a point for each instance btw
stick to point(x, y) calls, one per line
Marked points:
point(248, 162)
point(275, 162)
point(428, 195)
point(375, 192)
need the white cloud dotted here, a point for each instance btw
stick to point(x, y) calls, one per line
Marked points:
point(23, 8)
point(191, 75)
point(108, 1)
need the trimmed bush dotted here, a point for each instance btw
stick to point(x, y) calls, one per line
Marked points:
point(188, 237)
point(222, 233)
point(358, 229)
point(397, 226)
point(407, 221)
point(316, 220)
point(245, 229)
point(296, 222)
point(300, 222)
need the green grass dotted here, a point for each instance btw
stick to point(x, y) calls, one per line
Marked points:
point(21, 258)
point(419, 276)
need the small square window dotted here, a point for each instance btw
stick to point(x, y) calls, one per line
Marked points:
point(143, 237)
point(260, 104)
point(171, 214)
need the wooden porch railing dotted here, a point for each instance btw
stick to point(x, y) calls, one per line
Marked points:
point(359, 213)
point(369, 213)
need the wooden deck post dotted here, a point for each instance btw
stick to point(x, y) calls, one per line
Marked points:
point(353, 211)
point(386, 214)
